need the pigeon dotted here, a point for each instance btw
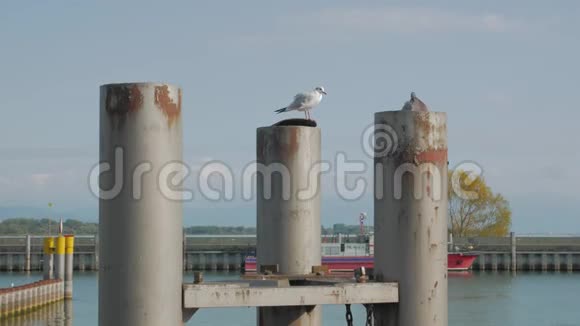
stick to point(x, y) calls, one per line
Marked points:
point(305, 101)
point(415, 104)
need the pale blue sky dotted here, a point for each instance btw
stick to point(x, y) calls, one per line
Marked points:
point(507, 73)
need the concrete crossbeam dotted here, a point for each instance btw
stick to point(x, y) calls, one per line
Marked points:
point(253, 295)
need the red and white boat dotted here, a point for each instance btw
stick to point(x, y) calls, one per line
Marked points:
point(455, 261)
point(346, 257)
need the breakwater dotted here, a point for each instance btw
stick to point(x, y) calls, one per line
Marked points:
point(227, 252)
point(25, 298)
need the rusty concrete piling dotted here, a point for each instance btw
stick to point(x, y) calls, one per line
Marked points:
point(288, 212)
point(411, 215)
point(140, 211)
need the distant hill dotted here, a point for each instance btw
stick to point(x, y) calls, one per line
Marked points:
point(21, 226)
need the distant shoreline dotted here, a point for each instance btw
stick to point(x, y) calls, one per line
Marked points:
point(39, 226)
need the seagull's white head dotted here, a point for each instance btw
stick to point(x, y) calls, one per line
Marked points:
point(320, 90)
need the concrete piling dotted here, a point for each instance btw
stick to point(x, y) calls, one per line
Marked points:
point(69, 264)
point(48, 260)
point(96, 255)
point(451, 246)
point(411, 216)
point(9, 263)
point(59, 262)
point(544, 262)
point(513, 239)
point(140, 211)
point(288, 211)
point(27, 254)
point(482, 262)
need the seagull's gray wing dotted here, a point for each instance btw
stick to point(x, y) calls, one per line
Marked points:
point(299, 100)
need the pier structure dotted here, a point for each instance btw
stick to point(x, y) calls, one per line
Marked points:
point(140, 227)
point(291, 284)
point(410, 230)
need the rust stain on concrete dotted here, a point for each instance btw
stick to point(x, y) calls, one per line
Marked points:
point(429, 183)
point(120, 101)
point(272, 142)
point(286, 144)
point(294, 143)
point(433, 156)
point(289, 146)
point(422, 122)
point(261, 145)
point(166, 104)
point(123, 99)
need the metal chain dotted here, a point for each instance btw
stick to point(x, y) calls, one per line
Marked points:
point(348, 316)
point(370, 314)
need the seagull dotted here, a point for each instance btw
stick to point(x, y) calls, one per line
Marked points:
point(305, 101)
point(415, 104)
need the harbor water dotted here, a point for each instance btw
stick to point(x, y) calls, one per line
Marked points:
point(475, 299)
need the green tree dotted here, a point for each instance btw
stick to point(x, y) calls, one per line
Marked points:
point(474, 209)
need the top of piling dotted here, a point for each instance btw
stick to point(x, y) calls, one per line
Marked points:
point(144, 83)
point(296, 123)
point(122, 100)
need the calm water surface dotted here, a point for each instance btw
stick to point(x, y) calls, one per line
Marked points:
point(475, 299)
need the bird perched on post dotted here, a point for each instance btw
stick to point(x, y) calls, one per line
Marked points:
point(415, 104)
point(305, 101)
